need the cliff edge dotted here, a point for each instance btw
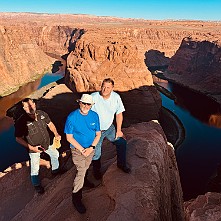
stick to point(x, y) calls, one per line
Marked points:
point(151, 192)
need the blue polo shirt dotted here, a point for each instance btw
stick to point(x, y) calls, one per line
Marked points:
point(82, 127)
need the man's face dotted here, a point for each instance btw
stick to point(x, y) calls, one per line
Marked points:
point(106, 89)
point(29, 107)
point(84, 107)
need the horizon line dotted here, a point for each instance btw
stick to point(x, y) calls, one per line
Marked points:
point(109, 16)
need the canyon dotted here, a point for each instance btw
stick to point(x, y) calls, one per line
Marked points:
point(92, 48)
point(30, 43)
point(197, 65)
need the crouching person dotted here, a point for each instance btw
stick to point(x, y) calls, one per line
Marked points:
point(82, 130)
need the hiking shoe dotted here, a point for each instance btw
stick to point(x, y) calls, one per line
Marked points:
point(89, 184)
point(76, 200)
point(59, 171)
point(39, 189)
point(97, 175)
point(125, 168)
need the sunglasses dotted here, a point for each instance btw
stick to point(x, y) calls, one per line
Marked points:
point(86, 103)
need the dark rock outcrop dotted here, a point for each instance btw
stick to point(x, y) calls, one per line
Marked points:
point(197, 65)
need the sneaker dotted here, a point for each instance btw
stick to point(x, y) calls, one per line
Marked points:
point(39, 189)
point(125, 168)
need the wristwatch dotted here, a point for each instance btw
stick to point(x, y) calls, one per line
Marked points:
point(92, 146)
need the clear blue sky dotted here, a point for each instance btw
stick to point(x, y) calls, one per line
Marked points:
point(146, 9)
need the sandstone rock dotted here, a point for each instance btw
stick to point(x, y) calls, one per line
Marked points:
point(96, 57)
point(197, 65)
point(215, 120)
point(205, 207)
point(21, 59)
point(30, 43)
point(156, 60)
point(151, 192)
point(154, 182)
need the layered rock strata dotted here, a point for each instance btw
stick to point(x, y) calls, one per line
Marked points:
point(97, 57)
point(21, 58)
point(31, 42)
point(94, 48)
point(27, 52)
point(197, 65)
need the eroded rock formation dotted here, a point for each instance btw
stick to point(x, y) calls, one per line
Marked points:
point(151, 192)
point(95, 48)
point(28, 50)
point(21, 58)
point(97, 57)
point(205, 207)
point(31, 42)
point(197, 65)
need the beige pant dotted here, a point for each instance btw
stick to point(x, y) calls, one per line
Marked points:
point(82, 163)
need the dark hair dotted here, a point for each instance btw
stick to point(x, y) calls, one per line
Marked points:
point(27, 99)
point(109, 80)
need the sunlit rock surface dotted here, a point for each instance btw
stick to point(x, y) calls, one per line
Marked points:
point(30, 43)
point(151, 192)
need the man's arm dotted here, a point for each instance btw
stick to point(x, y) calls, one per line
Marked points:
point(27, 145)
point(97, 138)
point(94, 143)
point(74, 143)
point(54, 130)
point(119, 121)
point(86, 152)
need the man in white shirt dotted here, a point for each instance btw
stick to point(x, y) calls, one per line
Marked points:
point(108, 104)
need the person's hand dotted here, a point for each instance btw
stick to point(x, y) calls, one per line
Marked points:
point(119, 134)
point(83, 152)
point(89, 150)
point(58, 137)
point(86, 152)
point(35, 149)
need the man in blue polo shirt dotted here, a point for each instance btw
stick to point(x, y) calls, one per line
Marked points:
point(82, 130)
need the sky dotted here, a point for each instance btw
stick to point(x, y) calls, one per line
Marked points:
point(145, 9)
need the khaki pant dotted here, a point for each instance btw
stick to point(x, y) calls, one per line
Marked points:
point(82, 163)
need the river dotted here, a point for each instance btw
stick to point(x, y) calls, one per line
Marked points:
point(198, 156)
point(11, 151)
